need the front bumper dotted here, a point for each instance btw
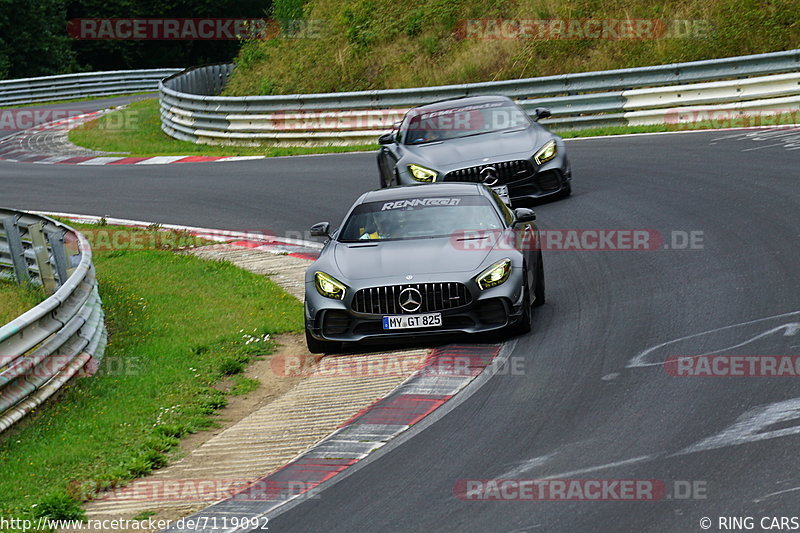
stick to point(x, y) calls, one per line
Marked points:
point(551, 179)
point(489, 310)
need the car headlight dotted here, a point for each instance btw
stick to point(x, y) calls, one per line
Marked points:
point(546, 152)
point(423, 174)
point(495, 275)
point(328, 286)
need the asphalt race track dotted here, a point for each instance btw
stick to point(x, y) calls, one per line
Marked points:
point(593, 400)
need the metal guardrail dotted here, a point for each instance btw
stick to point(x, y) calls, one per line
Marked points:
point(191, 109)
point(64, 335)
point(68, 86)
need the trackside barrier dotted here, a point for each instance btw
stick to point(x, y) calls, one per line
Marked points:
point(64, 335)
point(192, 110)
point(81, 85)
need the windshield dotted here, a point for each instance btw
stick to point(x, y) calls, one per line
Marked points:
point(418, 218)
point(465, 121)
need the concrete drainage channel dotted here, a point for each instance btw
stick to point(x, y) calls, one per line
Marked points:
point(338, 399)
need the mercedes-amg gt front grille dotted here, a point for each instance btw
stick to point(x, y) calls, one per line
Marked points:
point(412, 298)
point(505, 171)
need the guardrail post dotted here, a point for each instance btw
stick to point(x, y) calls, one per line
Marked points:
point(56, 240)
point(42, 257)
point(16, 249)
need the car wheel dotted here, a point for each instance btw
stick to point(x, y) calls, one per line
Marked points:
point(538, 291)
point(318, 346)
point(567, 190)
point(524, 325)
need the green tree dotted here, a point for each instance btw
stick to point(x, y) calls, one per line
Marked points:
point(126, 54)
point(33, 39)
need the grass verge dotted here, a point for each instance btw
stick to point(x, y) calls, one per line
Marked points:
point(15, 300)
point(136, 131)
point(178, 326)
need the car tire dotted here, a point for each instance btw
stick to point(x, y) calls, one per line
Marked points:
point(538, 291)
point(567, 190)
point(524, 325)
point(318, 346)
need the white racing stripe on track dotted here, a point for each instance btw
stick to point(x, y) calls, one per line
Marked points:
point(778, 493)
point(753, 426)
point(634, 460)
point(526, 466)
point(239, 158)
point(640, 360)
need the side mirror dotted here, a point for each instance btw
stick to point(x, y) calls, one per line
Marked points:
point(523, 214)
point(386, 138)
point(541, 112)
point(321, 229)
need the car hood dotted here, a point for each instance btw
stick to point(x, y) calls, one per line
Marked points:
point(401, 258)
point(471, 151)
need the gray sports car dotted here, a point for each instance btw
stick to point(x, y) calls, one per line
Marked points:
point(486, 139)
point(433, 259)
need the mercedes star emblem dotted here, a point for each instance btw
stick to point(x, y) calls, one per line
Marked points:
point(410, 300)
point(489, 176)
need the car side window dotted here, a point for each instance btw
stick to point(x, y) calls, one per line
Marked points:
point(505, 212)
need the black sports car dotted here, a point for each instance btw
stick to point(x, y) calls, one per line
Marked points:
point(486, 139)
point(430, 259)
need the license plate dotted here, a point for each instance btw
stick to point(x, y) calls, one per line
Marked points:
point(502, 192)
point(428, 320)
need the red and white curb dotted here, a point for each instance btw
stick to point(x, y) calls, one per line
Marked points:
point(434, 386)
point(31, 146)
